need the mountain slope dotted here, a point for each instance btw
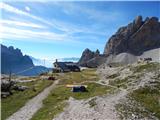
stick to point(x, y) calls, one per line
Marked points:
point(135, 38)
point(139, 39)
point(12, 60)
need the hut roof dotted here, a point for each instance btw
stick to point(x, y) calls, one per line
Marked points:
point(62, 65)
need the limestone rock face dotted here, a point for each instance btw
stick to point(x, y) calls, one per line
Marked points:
point(96, 61)
point(135, 38)
point(87, 55)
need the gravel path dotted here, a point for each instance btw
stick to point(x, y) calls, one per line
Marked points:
point(33, 105)
point(24, 81)
point(103, 110)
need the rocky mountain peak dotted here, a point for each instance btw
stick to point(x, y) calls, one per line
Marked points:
point(97, 52)
point(88, 55)
point(87, 51)
point(138, 20)
point(135, 38)
point(11, 48)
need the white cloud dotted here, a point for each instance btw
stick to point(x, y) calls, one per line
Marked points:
point(71, 28)
point(71, 8)
point(19, 23)
point(44, 37)
point(7, 32)
point(41, 35)
point(56, 24)
point(27, 8)
point(60, 25)
point(20, 12)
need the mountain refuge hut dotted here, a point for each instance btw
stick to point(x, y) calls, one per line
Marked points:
point(65, 67)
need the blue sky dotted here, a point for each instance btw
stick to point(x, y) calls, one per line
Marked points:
point(50, 30)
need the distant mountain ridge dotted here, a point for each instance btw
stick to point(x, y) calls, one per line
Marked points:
point(12, 60)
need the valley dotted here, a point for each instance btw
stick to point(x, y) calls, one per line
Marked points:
point(118, 92)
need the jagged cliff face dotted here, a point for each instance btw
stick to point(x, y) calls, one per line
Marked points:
point(131, 40)
point(135, 38)
point(91, 59)
point(12, 60)
point(87, 55)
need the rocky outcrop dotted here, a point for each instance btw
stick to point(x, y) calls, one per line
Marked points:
point(12, 60)
point(87, 55)
point(135, 38)
point(91, 59)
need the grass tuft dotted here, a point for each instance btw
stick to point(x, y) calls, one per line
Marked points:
point(149, 97)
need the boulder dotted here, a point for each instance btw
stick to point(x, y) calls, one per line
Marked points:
point(6, 86)
point(20, 88)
